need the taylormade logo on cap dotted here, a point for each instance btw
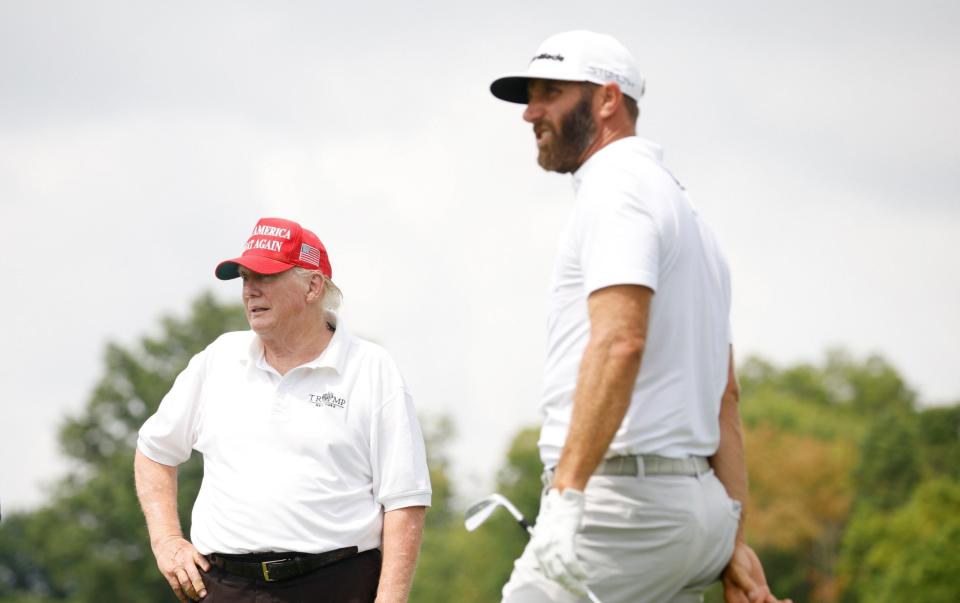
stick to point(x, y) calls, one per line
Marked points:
point(575, 56)
point(552, 57)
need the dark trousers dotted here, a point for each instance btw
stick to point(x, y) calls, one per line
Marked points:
point(352, 580)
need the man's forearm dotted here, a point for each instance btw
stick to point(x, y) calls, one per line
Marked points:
point(402, 533)
point(157, 491)
point(729, 462)
point(608, 372)
point(607, 375)
point(177, 559)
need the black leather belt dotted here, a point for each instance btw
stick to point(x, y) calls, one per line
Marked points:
point(272, 567)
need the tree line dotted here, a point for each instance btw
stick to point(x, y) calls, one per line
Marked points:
point(855, 487)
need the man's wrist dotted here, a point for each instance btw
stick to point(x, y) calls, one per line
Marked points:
point(158, 543)
point(563, 480)
point(390, 597)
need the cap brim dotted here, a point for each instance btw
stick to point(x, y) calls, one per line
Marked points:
point(230, 269)
point(511, 88)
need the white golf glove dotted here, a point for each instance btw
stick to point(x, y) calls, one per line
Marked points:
point(553, 538)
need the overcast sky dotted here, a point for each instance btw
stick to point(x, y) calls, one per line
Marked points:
point(140, 142)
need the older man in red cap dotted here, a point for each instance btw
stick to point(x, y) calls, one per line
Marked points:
point(315, 480)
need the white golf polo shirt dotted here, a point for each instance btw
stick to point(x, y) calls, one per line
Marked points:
point(633, 224)
point(307, 461)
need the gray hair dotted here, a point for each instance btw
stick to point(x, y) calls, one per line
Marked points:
point(332, 296)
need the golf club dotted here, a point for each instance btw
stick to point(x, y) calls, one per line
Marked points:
point(481, 510)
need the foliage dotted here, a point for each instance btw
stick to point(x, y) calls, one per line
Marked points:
point(910, 553)
point(801, 493)
point(939, 438)
point(903, 536)
point(825, 441)
point(890, 461)
point(800, 487)
point(864, 386)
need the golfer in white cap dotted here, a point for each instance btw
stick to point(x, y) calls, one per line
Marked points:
point(641, 439)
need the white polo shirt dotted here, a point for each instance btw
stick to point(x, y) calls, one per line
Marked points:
point(633, 224)
point(307, 461)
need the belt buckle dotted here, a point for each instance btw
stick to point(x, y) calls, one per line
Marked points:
point(265, 567)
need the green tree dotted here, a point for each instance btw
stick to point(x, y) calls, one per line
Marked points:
point(865, 386)
point(90, 542)
point(907, 478)
point(940, 441)
point(823, 439)
point(800, 497)
point(890, 466)
point(910, 553)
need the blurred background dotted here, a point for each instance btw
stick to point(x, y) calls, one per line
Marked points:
point(140, 142)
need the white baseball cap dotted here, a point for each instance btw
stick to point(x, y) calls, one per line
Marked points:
point(575, 56)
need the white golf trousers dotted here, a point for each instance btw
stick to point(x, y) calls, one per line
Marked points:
point(652, 539)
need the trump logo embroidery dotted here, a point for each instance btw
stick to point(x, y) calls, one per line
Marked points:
point(328, 399)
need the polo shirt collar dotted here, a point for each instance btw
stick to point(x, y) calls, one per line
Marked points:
point(333, 356)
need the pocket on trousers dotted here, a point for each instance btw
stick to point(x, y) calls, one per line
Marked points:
point(735, 509)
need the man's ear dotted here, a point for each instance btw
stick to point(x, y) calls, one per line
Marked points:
point(610, 99)
point(315, 291)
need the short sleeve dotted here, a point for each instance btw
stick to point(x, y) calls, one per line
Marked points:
point(619, 239)
point(168, 436)
point(399, 460)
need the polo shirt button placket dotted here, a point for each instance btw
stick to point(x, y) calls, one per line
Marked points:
point(280, 404)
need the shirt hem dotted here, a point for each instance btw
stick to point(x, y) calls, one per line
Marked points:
point(643, 280)
point(158, 457)
point(419, 498)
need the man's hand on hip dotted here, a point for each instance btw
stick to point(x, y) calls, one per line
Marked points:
point(553, 540)
point(178, 561)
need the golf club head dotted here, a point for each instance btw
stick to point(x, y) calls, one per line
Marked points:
point(480, 511)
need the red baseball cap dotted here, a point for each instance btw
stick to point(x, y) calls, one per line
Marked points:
point(277, 245)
